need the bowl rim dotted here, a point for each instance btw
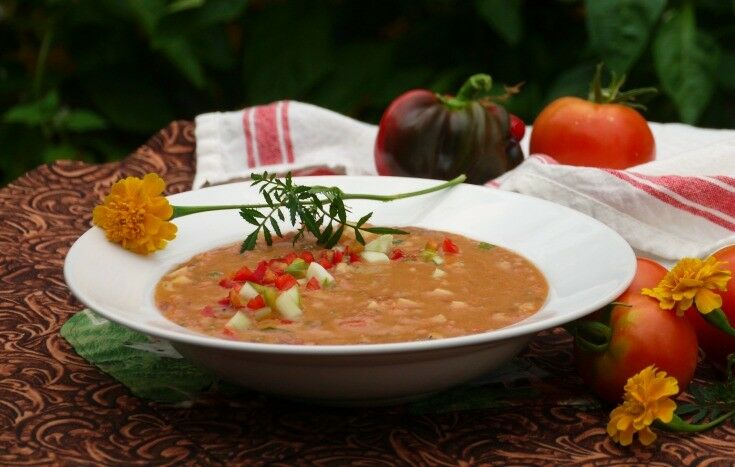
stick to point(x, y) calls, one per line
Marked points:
point(515, 330)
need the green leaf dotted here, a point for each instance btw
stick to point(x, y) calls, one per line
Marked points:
point(180, 53)
point(504, 16)
point(364, 219)
point(63, 151)
point(485, 246)
point(685, 61)
point(132, 101)
point(385, 230)
point(620, 29)
point(148, 13)
point(82, 120)
point(34, 113)
point(288, 64)
point(276, 229)
point(335, 238)
point(182, 5)
point(250, 241)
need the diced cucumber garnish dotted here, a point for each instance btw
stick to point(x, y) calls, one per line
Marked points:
point(382, 244)
point(239, 322)
point(485, 245)
point(288, 304)
point(248, 292)
point(374, 257)
point(269, 294)
point(297, 268)
point(433, 256)
point(438, 273)
point(321, 274)
point(262, 313)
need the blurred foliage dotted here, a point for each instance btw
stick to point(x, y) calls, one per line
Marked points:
point(92, 79)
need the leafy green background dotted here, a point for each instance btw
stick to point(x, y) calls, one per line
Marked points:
point(92, 79)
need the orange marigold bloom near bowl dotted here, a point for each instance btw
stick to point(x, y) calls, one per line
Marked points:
point(646, 399)
point(692, 281)
point(135, 214)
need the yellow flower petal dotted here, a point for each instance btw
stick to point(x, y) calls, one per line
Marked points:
point(707, 301)
point(692, 281)
point(135, 214)
point(646, 399)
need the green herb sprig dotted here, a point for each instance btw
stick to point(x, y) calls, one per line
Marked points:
point(319, 210)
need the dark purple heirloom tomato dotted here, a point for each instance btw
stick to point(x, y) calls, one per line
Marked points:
point(425, 134)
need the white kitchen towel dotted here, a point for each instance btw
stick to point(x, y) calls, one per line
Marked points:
point(682, 204)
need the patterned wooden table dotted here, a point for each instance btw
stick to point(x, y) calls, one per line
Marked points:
point(55, 408)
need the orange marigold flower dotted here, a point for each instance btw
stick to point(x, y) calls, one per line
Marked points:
point(646, 399)
point(135, 214)
point(692, 281)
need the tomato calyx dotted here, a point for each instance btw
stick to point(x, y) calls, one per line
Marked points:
point(475, 88)
point(612, 93)
point(594, 336)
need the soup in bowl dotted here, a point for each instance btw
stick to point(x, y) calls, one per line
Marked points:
point(396, 288)
point(373, 331)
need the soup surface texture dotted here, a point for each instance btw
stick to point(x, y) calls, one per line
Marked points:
point(426, 285)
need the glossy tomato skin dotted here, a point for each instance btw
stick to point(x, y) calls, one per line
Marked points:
point(642, 334)
point(419, 136)
point(578, 132)
point(716, 344)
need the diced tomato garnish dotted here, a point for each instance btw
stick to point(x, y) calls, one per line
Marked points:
point(326, 264)
point(269, 277)
point(337, 257)
point(285, 321)
point(277, 266)
point(208, 311)
point(235, 300)
point(285, 282)
point(224, 301)
point(256, 303)
point(449, 246)
point(227, 332)
point(226, 283)
point(396, 254)
point(259, 273)
point(313, 284)
point(354, 258)
point(289, 258)
point(306, 256)
point(243, 274)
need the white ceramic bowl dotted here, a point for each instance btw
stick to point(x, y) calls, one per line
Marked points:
point(586, 264)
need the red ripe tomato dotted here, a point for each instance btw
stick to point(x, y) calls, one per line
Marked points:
point(715, 343)
point(641, 334)
point(575, 131)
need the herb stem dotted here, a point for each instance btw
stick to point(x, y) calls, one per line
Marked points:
point(180, 211)
point(410, 194)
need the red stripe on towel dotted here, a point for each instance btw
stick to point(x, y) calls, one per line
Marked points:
point(286, 132)
point(269, 150)
point(696, 190)
point(248, 138)
point(669, 200)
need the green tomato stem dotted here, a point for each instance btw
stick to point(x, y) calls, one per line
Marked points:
point(718, 319)
point(677, 424)
point(476, 87)
point(591, 336)
point(180, 211)
point(612, 94)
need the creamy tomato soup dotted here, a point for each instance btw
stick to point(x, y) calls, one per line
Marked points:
point(426, 285)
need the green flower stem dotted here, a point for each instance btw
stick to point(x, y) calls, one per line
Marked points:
point(180, 211)
point(718, 319)
point(677, 424)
